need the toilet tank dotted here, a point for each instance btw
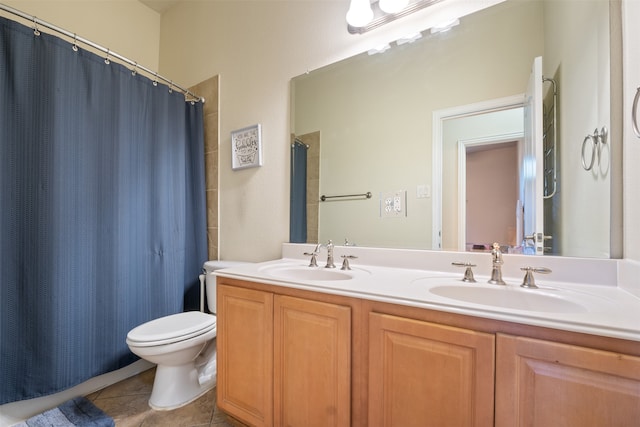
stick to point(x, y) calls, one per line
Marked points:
point(210, 279)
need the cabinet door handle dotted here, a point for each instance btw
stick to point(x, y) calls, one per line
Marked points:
point(634, 113)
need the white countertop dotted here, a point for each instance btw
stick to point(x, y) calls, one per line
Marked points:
point(598, 309)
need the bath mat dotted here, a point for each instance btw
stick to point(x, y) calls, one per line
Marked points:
point(75, 412)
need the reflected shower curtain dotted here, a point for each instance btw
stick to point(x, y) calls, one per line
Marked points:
point(102, 210)
point(298, 203)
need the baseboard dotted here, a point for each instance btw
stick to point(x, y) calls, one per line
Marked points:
point(15, 412)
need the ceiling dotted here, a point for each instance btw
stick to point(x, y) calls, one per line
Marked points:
point(159, 5)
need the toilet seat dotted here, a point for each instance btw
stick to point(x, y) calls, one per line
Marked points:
point(170, 329)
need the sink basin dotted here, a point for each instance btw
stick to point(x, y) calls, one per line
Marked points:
point(508, 297)
point(309, 273)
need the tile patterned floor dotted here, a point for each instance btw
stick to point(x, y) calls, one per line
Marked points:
point(127, 403)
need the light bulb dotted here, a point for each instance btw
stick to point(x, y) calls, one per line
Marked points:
point(360, 13)
point(393, 6)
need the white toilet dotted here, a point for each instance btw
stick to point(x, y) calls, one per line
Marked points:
point(183, 348)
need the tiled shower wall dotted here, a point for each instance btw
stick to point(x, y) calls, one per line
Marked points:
point(313, 183)
point(209, 90)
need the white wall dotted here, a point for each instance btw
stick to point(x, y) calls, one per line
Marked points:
point(631, 48)
point(257, 47)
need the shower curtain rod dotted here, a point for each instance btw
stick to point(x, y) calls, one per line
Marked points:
point(189, 96)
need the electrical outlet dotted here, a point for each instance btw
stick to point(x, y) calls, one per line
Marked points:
point(393, 204)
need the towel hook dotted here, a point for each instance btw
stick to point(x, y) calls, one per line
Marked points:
point(593, 152)
point(598, 139)
point(634, 113)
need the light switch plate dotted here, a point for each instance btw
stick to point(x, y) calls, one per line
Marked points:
point(423, 191)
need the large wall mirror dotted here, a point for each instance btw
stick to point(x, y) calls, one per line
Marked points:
point(423, 143)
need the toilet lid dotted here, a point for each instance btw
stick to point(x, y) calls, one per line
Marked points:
point(176, 327)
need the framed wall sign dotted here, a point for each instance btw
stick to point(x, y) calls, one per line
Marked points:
point(246, 147)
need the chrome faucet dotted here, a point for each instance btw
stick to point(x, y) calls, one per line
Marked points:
point(330, 263)
point(496, 270)
point(314, 254)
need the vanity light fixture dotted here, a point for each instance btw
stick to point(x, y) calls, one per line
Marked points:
point(364, 15)
point(409, 38)
point(445, 26)
point(393, 6)
point(379, 49)
point(359, 13)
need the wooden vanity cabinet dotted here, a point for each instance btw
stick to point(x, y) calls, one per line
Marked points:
point(312, 363)
point(541, 383)
point(420, 367)
point(289, 357)
point(425, 374)
point(283, 360)
point(245, 354)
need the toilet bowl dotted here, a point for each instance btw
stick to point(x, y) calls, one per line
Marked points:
point(182, 346)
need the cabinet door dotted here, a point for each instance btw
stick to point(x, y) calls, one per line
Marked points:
point(245, 354)
point(425, 374)
point(542, 383)
point(312, 363)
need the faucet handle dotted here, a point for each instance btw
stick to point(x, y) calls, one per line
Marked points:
point(529, 281)
point(468, 272)
point(313, 255)
point(345, 261)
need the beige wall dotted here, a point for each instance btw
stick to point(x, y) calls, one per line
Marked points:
point(578, 61)
point(125, 26)
point(374, 115)
point(257, 47)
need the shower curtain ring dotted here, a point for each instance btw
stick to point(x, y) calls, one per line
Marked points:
point(171, 86)
point(75, 42)
point(135, 69)
point(35, 26)
point(155, 80)
point(106, 60)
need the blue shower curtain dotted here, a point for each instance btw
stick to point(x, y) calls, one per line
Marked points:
point(298, 202)
point(102, 210)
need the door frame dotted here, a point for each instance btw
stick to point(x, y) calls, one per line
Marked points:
point(463, 144)
point(438, 119)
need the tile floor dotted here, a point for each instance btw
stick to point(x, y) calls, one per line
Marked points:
point(126, 403)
